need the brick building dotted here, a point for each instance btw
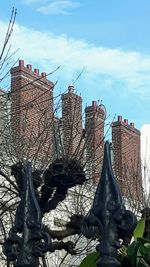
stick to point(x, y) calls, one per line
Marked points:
point(72, 123)
point(35, 129)
point(31, 112)
point(126, 158)
point(94, 139)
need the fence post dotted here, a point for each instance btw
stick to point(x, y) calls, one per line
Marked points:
point(27, 240)
point(108, 217)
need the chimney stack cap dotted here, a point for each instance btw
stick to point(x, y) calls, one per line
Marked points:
point(43, 74)
point(119, 118)
point(125, 121)
point(36, 71)
point(29, 66)
point(94, 103)
point(21, 63)
point(71, 88)
point(132, 124)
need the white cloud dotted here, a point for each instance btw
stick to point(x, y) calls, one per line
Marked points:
point(104, 66)
point(107, 66)
point(58, 7)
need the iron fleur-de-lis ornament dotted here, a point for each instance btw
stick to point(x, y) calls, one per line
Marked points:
point(27, 239)
point(108, 217)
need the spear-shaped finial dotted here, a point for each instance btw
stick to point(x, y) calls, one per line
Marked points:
point(108, 216)
point(25, 249)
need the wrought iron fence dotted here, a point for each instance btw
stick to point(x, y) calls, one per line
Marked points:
point(107, 219)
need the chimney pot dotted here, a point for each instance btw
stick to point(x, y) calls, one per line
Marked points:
point(36, 71)
point(29, 66)
point(94, 103)
point(132, 124)
point(21, 63)
point(43, 74)
point(119, 118)
point(71, 88)
point(125, 121)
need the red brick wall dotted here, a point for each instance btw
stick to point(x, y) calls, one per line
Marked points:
point(32, 111)
point(127, 161)
point(94, 140)
point(33, 129)
point(72, 123)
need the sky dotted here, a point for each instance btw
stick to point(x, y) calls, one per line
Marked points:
point(101, 46)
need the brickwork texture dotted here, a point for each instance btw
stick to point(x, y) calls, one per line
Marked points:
point(33, 124)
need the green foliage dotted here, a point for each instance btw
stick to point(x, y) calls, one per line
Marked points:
point(135, 255)
point(138, 253)
point(139, 230)
point(90, 260)
point(132, 253)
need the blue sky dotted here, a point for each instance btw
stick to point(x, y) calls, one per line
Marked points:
point(109, 39)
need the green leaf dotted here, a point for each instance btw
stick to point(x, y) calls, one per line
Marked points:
point(139, 230)
point(144, 250)
point(90, 260)
point(147, 245)
point(132, 252)
point(143, 240)
point(142, 256)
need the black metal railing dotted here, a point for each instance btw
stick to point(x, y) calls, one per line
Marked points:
point(108, 219)
point(27, 239)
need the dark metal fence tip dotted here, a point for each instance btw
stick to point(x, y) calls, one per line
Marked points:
point(108, 216)
point(27, 240)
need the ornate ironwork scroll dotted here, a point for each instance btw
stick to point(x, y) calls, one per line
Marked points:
point(27, 240)
point(108, 216)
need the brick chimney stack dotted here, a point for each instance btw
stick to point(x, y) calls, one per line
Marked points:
point(32, 96)
point(94, 140)
point(126, 158)
point(71, 122)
